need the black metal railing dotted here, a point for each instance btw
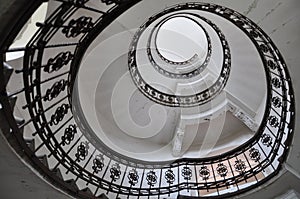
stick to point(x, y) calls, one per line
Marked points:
point(200, 66)
point(172, 100)
point(48, 72)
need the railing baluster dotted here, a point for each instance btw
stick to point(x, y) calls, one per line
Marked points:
point(74, 144)
point(141, 182)
point(54, 133)
point(41, 113)
point(213, 171)
point(32, 75)
point(87, 162)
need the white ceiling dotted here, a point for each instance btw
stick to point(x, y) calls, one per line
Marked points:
point(280, 19)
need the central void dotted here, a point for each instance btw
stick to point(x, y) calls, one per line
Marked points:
point(114, 113)
point(181, 38)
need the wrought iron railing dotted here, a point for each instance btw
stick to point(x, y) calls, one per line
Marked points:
point(59, 149)
point(192, 61)
point(196, 99)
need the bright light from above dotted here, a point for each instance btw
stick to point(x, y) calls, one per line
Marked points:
point(180, 38)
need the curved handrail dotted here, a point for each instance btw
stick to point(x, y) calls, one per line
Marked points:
point(58, 130)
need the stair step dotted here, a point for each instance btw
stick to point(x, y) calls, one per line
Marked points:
point(88, 191)
point(44, 160)
point(57, 172)
point(7, 70)
point(12, 102)
point(30, 143)
point(19, 121)
point(72, 183)
point(102, 196)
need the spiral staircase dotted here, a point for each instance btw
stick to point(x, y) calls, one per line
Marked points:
point(64, 98)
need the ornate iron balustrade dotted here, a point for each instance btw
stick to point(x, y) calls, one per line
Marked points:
point(200, 66)
point(48, 85)
point(196, 99)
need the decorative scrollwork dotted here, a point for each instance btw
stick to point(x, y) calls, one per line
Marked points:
point(98, 163)
point(204, 172)
point(69, 134)
point(55, 90)
point(186, 173)
point(276, 101)
point(266, 140)
point(172, 74)
point(273, 121)
point(240, 166)
point(239, 23)
point(115, 172)
point(170, 176)
point(276, 82)
point(264, 48)
point(151, 178)
point(254, 34)
point(82, 151)
point(59, 114)
point(272, 65)
point(133, 177)
point(222, 170)
point(77, 26)
point(254, 154)
point(167, 99)
point(56, 63)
